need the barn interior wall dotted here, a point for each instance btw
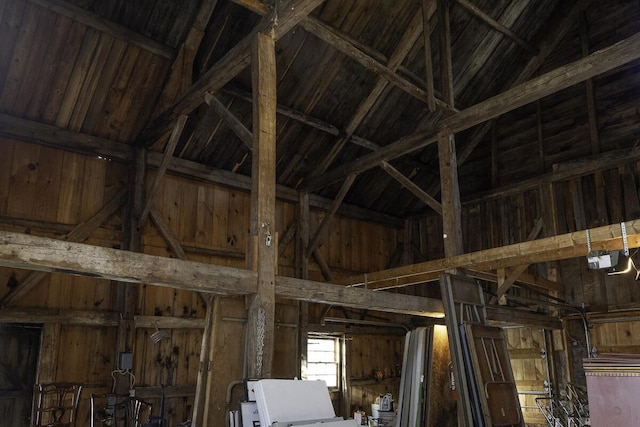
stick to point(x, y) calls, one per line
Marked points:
point(47, 192)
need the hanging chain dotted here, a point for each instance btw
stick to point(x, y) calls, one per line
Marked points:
point(260, 341)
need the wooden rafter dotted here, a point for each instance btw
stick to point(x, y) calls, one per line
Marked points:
point(315, 240)
point(287, 111)
point(287, 237)
point(99, 23)
point(398, 148)
point(327, 34)
point(446, 65)
point(229, 66)
point(79, 234)
point(476, 11)
point(550, 42)
point(428, 60)
point(599, 62)
point(181, 76)
point(230, 119)
point(358, 52)
point(564, 172)
point(412, 187)
point(162, 169)
point(364, 108)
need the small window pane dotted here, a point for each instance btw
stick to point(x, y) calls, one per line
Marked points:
point(322, 360)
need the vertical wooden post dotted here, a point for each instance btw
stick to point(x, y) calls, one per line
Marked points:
point(407, 257)
point(451, 217)
point(214, 333)
point(263, 198)
point(128, 293)
point(428, 61)
point(48, 358)
point(204, 368)
point(495, 172)
point(446, 67)
point(302, 272)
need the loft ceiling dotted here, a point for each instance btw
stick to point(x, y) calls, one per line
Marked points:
point(109, 68)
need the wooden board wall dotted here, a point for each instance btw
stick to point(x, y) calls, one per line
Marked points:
point(57, 190)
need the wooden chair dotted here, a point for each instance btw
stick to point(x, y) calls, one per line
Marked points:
point(132, 411)
point(112, 410)
point(56, 404)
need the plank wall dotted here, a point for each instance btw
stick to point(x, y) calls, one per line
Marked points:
point(367, 354)
point(48, 192)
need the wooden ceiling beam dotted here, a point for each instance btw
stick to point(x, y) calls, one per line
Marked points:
point(319, 124)
point(570, 245)
point(230, 119)
point(43, 254)
point(327, 34)
point(428, 59)
point(446, 65)
point(478, 13)
point(396, 149)
point(412, 187)
point(52, 136)
point(180, 78)
point(316, 239)
point(162, 169)
point(287, 111)
point(561, 24)
point(597, 63)
point(563, 172)
point(229, 66)
point(411, 35)
point(106, 26)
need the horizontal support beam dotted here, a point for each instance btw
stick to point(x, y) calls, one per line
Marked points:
point(597, 63)
point(65, 317)
point(43, 254)
point(166, 322)
point(325, 293)
point(505, 316)
point(563, 172)
point(55, 256)
point(570, 245)
point(52, 136)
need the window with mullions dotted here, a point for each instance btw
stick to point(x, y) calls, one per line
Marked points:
point(323, 360)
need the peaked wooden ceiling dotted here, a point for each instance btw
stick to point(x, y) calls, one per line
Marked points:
point(352, 81)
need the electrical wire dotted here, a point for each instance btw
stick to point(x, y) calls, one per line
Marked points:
point(123, 372)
